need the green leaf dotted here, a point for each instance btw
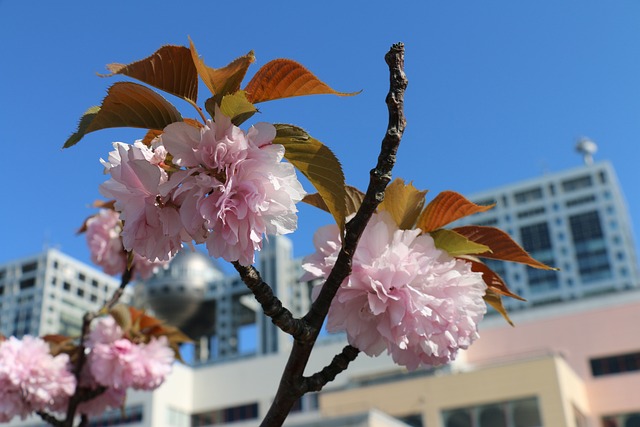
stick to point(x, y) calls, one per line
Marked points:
point(170, 69)
point(445, 208)
point(456, 244)
point(83, 125)
point(284, 78)
point(127, 105)
point(237, 107)
point(318, 164)
point(353, 200)
point(404, 202)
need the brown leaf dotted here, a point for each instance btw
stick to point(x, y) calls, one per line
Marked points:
point(127, 105)
point(445, 208)
point(495, 300)
point(404, 202)
point(284, 78)
point(353, 200)
point(502, 246)
point(170, 69)
point(223, 80)
point(492, 279)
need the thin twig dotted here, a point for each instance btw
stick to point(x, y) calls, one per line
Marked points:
point(339, 364)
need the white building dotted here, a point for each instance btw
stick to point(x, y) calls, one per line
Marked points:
point(576, 220)
point(48, 294)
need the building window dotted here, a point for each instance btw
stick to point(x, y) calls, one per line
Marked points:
point(225, 415)
point(27, 283)
point(515, 413)
point(577, 183)
point(528, 195)
point(580, 201)
point(118, 417)
point(617, 364)
point(591, 249)
point(32, 266)
point(623, 420)
point(531, 212)
point(536, 240)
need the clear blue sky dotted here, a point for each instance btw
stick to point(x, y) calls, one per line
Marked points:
point(499, 91)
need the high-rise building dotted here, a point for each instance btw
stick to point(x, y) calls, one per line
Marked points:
point(48, 294)
point(575, 220)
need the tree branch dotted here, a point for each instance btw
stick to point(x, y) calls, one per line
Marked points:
point(271, 305)
point(292, 383)
point(339, 364)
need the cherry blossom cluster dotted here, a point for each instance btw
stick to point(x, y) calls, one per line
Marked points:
point(32, 379)
point(102, 232)
point(404, 295)
point(213, 184)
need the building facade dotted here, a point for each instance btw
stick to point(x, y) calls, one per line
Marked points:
point(573, 359)
point(575, 220)
point(48, 294)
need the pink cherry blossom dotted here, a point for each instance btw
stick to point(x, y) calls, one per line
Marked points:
point(105, 244)
point(152, 228)
point(158, 358)
point(236, 188)
point(31, 379)
point(119, 363)
point(403, 295)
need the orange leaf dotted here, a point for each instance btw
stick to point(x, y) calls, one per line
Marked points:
point(503, 247)
point(284, 78)
point(492, 279)
point(223, 80)
point(445, 208)
point(170, 69)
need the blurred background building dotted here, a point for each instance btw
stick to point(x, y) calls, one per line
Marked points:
point(572, 360)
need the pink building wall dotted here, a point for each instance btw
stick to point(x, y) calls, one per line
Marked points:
point(580, 331)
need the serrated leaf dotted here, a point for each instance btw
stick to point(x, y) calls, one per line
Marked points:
point(503, 247)
point(318, 164)
point(445, 208)
point(238, 107)
point(127, 105)
point(223, 80)
point(170, 69)
point(495, 301)
point(492, 279)
point(353, 200)
point(456, 244)
point(83, 125)
point(404, 202)
point(284, 78)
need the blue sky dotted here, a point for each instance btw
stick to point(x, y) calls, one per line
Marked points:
point(499, 91)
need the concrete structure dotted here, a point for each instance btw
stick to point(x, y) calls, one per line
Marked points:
point(48, 293)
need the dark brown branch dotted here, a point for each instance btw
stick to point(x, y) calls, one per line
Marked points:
point(292, 384)
point(271, 305)
point(339, 364)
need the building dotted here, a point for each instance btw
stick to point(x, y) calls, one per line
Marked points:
point(573, 359)
point(48, 294)
point(576, 220)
